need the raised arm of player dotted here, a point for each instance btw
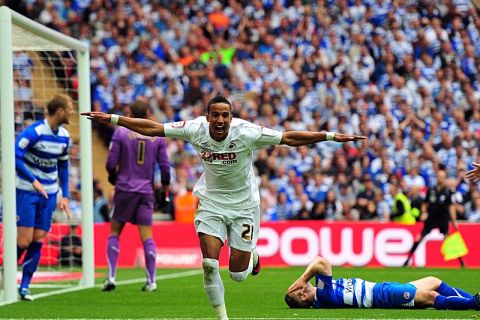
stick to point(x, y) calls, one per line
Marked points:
point(318, 266)
point(300, 138)
point(142, 126)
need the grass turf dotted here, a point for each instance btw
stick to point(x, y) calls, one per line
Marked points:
point(258, 297)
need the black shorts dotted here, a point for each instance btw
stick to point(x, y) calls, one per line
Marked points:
point(429, 225)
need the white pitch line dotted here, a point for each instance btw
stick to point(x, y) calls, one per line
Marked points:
point(49, 286)
point(124, 282)
point(267, 318)
point(160, 277)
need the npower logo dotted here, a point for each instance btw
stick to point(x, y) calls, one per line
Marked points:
point(299, 245)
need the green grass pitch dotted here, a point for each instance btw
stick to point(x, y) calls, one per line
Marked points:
point(257, 297)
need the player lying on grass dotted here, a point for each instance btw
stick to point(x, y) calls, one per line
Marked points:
point(358, 293)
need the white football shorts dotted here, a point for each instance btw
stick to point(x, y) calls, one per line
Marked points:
point(239, 227)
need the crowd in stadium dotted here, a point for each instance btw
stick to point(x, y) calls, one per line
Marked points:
point(403, 73)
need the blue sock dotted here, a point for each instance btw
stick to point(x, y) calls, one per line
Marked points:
point(453, 303)
point(20, 251)
point(30, 263)
point(445, 290)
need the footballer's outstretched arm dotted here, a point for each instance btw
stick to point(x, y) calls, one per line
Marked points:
point(142, 126)
point(300, 138)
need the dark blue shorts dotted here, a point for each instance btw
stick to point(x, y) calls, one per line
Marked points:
point(133, 207)
point(34, 211)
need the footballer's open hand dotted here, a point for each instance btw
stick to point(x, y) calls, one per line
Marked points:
point(298, 284)
point(473, 175)
point(342, 137)
point(98, 116)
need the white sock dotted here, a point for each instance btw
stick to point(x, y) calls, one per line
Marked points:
point(221, 312)
point(214, 286)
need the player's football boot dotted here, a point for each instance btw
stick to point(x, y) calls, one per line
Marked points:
point(25, 294)
point(256, 263)
point(150, 287)
point(108, 285)
point(476, 297)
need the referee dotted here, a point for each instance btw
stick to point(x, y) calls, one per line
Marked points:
point(439, 208)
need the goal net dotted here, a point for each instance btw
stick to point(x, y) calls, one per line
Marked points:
point(36, 63)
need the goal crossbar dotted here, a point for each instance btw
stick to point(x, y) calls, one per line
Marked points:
point(18, 33)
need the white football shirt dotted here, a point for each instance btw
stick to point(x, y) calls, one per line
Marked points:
point(228, 177)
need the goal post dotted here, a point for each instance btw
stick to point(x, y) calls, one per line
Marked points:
point(18, 33)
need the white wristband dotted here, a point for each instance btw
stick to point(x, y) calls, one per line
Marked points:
point(114, 119)
point(330, 136)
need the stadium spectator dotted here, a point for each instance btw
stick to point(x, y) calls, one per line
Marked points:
point(130, 165)
point(41, 153)
point(365, 206)
point(229, 208)
point(402, 208)
point(185, 205)
point(101, 211)
point(429, 292)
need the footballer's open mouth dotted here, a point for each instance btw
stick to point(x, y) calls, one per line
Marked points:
point(219, 129)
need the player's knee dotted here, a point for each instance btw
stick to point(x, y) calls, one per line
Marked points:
point(23, 243)
point(210, 267)
point(239, 276)
point(434, 281)
point(425, 298)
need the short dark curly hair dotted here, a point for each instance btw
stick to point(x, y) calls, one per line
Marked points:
point(294, 301)
point(218, 99)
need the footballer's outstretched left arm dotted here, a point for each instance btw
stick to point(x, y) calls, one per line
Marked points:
point(300, 138)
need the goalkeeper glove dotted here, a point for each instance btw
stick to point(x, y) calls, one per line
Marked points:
point(162, 198)
point(112, 178)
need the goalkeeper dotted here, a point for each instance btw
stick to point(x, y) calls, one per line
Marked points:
point(130, 165)
point(358, 293)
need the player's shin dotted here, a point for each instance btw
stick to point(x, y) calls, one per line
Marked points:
point(150, 252)
point(445, 290)
point(30, 263)
point(454, 303)
point(113, 249)
point(214, 287)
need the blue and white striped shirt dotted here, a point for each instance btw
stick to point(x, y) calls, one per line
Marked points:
point(344, 293)
point(42, 154)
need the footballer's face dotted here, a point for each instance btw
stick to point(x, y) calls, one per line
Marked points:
point(66, 112)
point(306, 294)
point(219, 116)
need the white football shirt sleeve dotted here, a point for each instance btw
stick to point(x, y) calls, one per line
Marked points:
point(181, 129)
point(266, 137)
